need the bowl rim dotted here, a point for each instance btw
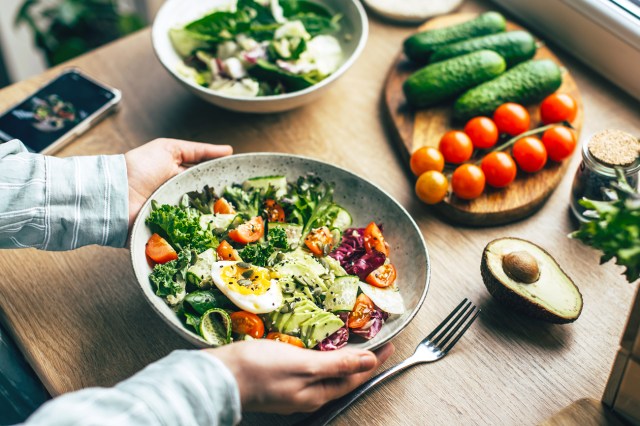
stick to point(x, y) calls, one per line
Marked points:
point(364, 22)
point(199, 341)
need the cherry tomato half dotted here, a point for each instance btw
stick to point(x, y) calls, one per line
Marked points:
point(499, 169)
point(159, 250)
point(456, 147)
point(482, 131)
point(373, 239)
point(226, 252)
point(512, 118)
point(530, 154)
point(248, 232)
point(468, 181)
point(432, 187)
point(222, 206)
point(560, 142)
point(243, 322)
point(425, 159)
point(275, 212)
point(361, 313)
point(285, 338)
point(558, 107)
point(383, 276)
point(319, 241)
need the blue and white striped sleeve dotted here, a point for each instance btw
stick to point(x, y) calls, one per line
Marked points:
point(184, 388)
point(61, 203)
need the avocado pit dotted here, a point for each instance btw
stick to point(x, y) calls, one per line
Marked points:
point(521, 266)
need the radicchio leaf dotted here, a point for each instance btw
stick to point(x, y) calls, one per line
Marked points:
point(373, 326)
point(353, 257)
point(338, 339)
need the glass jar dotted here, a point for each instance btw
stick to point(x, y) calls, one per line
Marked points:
point(593, 181)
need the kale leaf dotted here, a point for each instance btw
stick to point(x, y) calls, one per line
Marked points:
point(169, 278)
point(616, 229)
point(263, 254)
point(181, 227)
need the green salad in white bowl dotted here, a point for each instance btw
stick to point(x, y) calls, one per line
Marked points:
point(259, 55)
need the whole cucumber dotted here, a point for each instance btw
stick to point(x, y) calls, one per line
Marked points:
point(526, 83)
point(513, 46)
point(419, 46)
point(444, 80)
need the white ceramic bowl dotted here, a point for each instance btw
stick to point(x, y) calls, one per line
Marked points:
point(353, 37)
point(362, 199)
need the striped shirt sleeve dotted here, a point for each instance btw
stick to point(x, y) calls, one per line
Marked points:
point(184, 388)
point(55, 203)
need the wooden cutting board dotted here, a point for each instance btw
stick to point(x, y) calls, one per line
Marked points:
point(414, 129)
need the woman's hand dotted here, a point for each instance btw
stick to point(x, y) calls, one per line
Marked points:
point(153, 163)
point(280, 378)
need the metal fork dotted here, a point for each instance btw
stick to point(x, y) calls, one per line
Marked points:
point(435, 346)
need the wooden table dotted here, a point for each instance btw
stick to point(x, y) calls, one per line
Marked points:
point(81, 321)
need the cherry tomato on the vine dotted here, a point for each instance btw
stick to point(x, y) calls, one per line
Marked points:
point(560, 142)
point(432, 187)
point(499, 169)
point(558, 107)
point(425, 159)
point(468, 181)
point(482, 131)
point(530, 154)
point(456, 147)
point(512, 118)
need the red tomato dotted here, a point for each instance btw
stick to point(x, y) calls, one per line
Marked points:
point(361, 313)
point(159, 250)
point(468, 181)
point(512, 118)
point(275, 212)
point(426, 159)
point(456, 147)
point(248, 232)
point(384, 276)
point(499, 169)
point(373, 239)
point(222, 206)
point(319, 241)
point(558, 107)
point(432, 187)
point(226, 252)
point(530, 154)
point(285, 338)
point(482, 131)
point(560, 142)
point(243, 322)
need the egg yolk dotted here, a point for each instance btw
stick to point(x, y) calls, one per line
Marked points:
point(240, 280)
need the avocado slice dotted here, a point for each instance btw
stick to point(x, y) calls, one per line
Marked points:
point(526, 278)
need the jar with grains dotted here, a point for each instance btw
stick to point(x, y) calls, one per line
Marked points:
point(601, 155)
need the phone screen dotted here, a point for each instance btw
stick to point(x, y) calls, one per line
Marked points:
point(51, 112)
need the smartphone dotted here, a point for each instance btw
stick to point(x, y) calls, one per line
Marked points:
point(59, 111)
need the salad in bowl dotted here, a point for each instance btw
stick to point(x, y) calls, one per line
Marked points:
point(251, 48)
point(272, 258)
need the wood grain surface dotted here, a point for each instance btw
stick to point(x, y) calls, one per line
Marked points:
point(81, 320)
point(425, 127)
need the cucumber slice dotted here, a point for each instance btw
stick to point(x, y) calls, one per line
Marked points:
point(342, 294)
point(262, 183)
point(215, 327)
point(343, 219)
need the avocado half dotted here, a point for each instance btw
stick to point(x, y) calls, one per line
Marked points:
point(549, 294)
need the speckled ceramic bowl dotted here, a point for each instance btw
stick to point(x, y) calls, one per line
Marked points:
point(361, 198)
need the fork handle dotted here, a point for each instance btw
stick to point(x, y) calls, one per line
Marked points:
point(333, 408)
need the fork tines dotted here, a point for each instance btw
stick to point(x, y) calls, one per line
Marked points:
point(453, 326)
